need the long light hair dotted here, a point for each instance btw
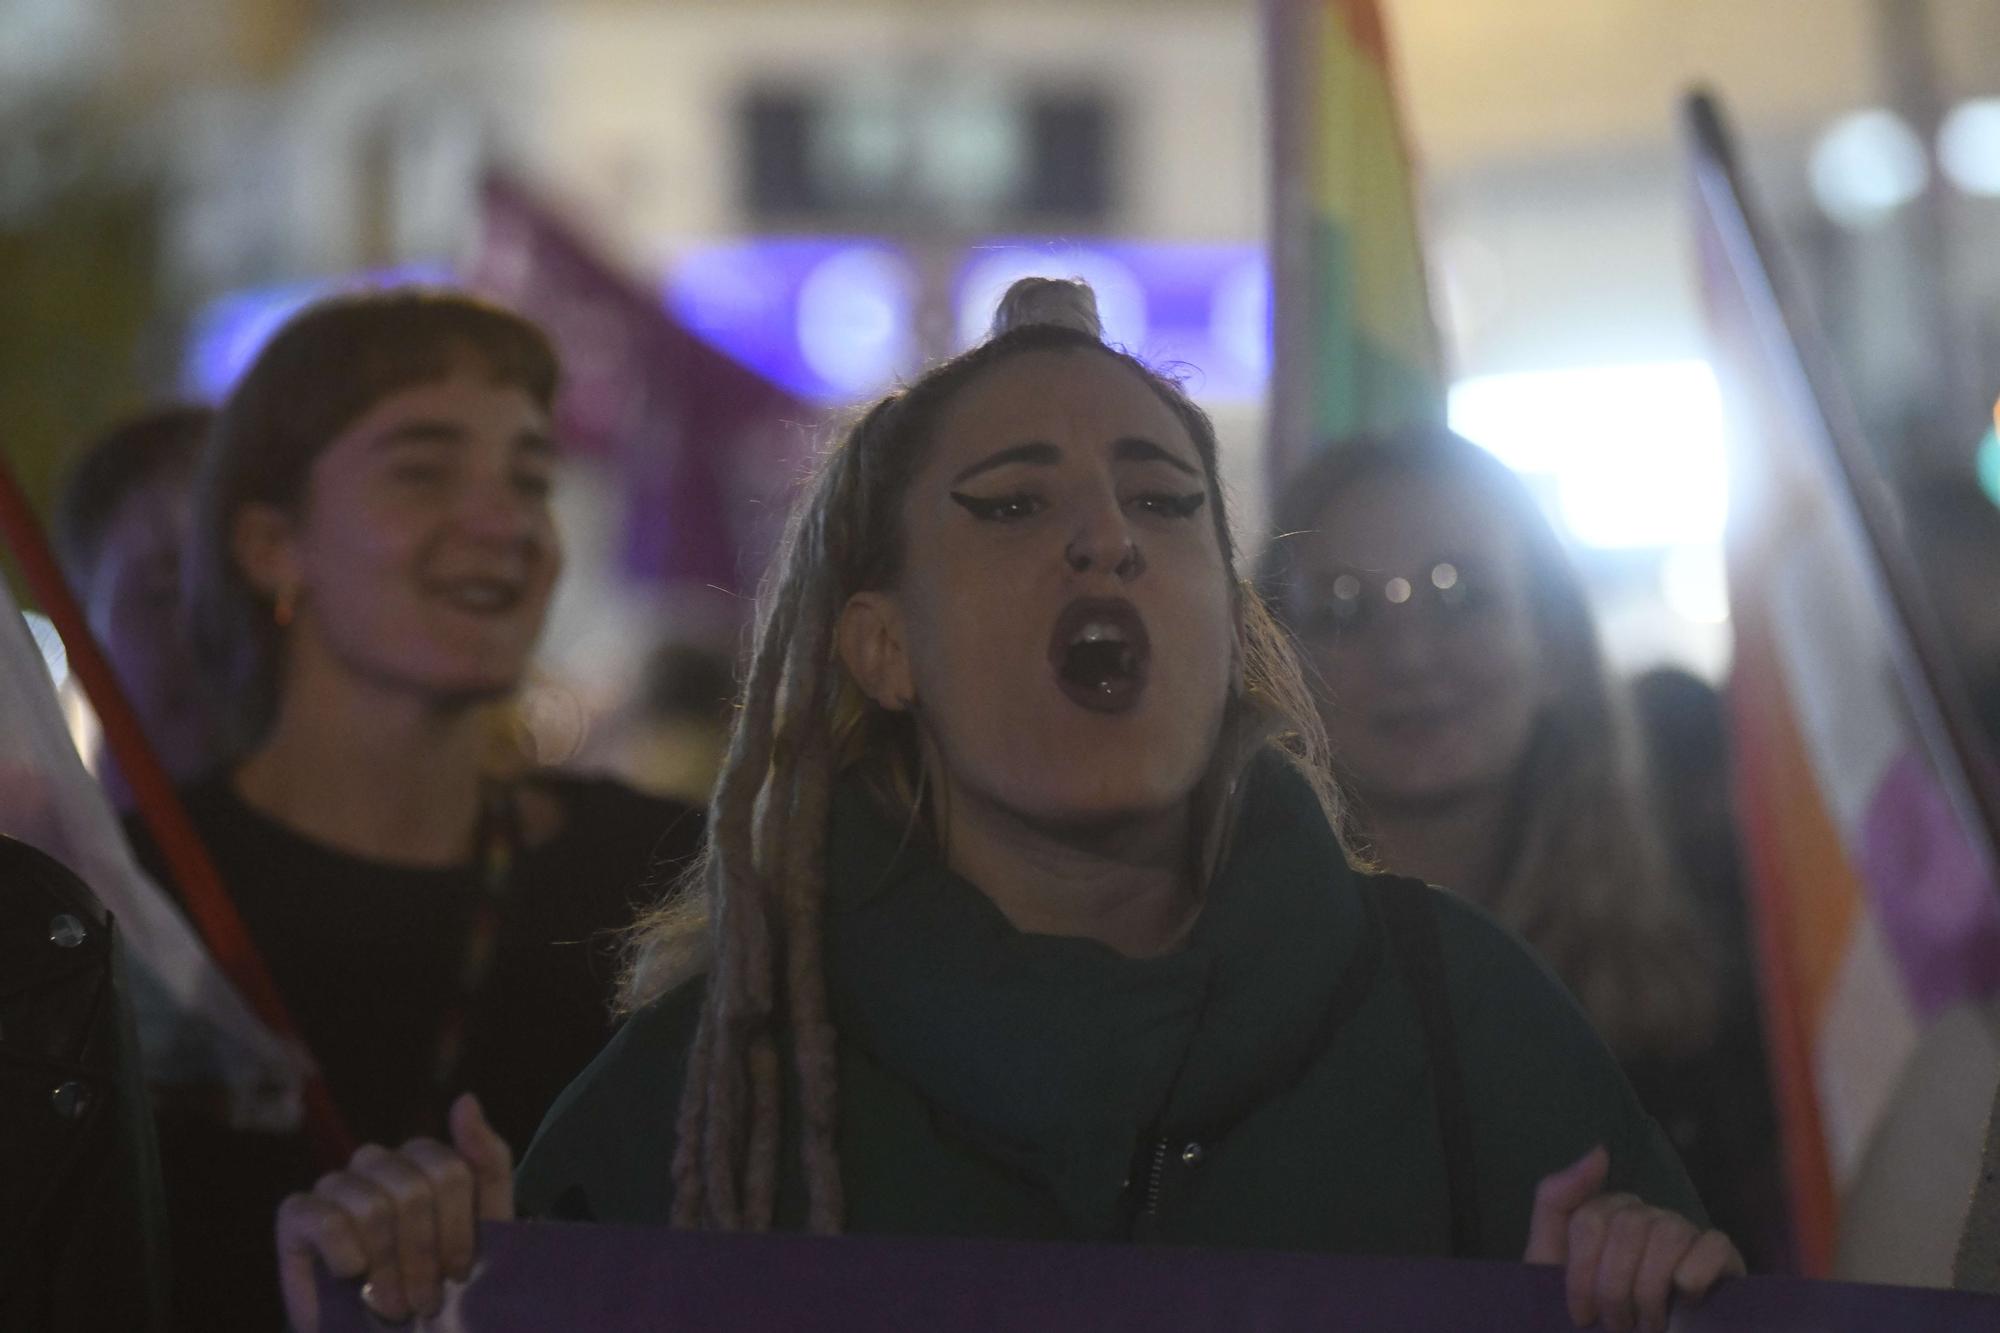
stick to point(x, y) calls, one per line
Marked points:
point(1589, 881)
point(752, 901)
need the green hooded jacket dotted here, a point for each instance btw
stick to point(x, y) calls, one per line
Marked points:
point(1269, 1085)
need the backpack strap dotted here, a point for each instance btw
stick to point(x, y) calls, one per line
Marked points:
point(1413, 936)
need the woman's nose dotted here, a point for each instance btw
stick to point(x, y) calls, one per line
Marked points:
point(1103, 540)
point(496, 510)
point(1404, 638)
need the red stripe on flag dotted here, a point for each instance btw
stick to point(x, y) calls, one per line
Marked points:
point(1363, 19)
point(1780, 813)
point(202, 892)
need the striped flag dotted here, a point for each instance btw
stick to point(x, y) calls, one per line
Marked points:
point(1355, 346)
point(195, 1029)
point(1868, 812)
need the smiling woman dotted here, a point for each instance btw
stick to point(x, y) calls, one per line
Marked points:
point(1026, 912)
point(372, 556)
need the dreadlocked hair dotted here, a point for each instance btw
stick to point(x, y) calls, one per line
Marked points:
point(748, 910)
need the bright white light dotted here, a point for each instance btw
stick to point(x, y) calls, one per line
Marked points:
point(969, 150)
point(1121, 300)
point(50, 644)
point(1969, 146)
point(867, 142)
point(1695, 584)
point(1867, 166)
point(854, 319)
point(55, 44)
point(1636, 452)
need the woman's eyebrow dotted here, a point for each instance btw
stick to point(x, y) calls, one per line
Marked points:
point(1036, 451)
point(422, 431)
point(1133, 449)
point(428, 431)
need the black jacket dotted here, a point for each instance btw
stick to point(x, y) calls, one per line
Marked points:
point(82, 1225)
point(1271, 1085)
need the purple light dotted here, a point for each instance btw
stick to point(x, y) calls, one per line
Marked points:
point(1201, 309)
point(232, 329)
point(830, 319)
point(833, 319)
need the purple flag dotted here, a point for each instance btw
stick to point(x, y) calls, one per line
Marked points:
point(706, 448)
point(552, 1275)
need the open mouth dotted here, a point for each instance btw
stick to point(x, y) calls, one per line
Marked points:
point(1099, 650)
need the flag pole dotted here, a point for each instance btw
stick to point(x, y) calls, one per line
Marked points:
point(1291, 40)
point(201, 889)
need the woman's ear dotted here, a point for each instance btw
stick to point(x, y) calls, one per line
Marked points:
point(870, 640)
point(262, 544)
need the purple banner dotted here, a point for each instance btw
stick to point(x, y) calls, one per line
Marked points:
point(706, 449)
point(548, 1275)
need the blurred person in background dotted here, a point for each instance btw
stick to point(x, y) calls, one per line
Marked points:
point(372, 556)
point(1026, 913)
point(121, 526)
point(1940, 914)
point(1954, 531)
point(1685, 727)
point(1473, 721)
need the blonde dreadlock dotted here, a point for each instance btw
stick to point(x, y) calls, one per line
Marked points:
point(754, 897)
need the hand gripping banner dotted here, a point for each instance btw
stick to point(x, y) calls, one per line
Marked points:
point(553, 1275)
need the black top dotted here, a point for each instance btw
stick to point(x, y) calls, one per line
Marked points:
point(367, 956)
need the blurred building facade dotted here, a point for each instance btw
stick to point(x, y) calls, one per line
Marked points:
point(277, 141)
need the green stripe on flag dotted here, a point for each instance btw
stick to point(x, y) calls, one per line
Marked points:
point(1362, 382)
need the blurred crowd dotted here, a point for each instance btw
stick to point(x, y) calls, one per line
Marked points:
point(324, 595)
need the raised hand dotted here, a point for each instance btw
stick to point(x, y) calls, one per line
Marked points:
point(403, 1220)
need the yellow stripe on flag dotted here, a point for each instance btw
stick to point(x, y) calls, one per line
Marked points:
point(1365, 185)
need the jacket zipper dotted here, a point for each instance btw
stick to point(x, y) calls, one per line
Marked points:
point(1156, 1176)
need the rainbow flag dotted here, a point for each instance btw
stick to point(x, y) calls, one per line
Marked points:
point(1354, 345)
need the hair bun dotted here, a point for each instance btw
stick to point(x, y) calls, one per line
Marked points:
point(1066, 303)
